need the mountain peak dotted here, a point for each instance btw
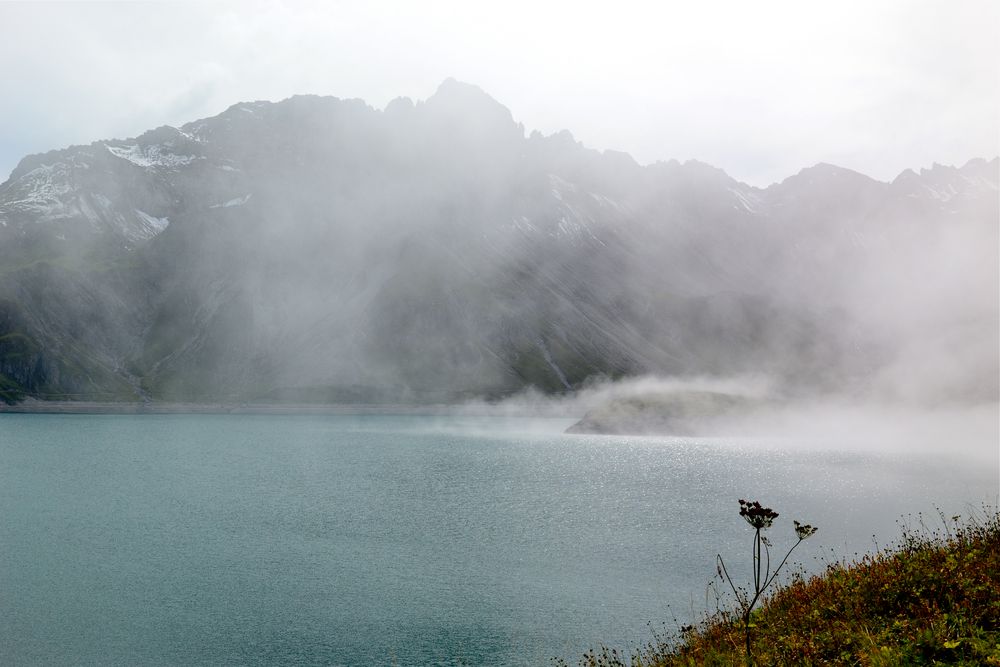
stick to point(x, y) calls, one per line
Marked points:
point(454, 87)
point(828, 169)
point(981, 166)
point(459, 98)
point(472, 117)
point(824, 172)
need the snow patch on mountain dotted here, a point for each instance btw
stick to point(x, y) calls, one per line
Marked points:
point(238, 201)
point(748, 202)
point(607, 202)
point(156, 225)
point(560, 187)
point(41, 192)
point(575, 220)
point(151, 156)
point(87, 209)
point(524, 225)
point(945, 194)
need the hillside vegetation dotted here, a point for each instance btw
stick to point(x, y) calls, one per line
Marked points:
point(934, 599)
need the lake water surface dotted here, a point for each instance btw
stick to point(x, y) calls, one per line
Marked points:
point(370, 540)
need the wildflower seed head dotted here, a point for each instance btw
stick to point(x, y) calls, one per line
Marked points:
point(756, 515)
point(803, 530)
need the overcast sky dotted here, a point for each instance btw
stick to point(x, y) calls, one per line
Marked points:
point(760, 89)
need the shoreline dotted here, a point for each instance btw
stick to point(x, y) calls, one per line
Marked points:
point(35, 406)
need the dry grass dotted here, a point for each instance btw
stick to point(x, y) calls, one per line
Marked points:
point(933, 599)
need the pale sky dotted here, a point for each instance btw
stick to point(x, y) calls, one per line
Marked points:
point(760, 89)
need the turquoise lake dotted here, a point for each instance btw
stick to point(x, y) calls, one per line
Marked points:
point(401, 540)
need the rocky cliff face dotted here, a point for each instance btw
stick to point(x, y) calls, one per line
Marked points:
point(319, 249)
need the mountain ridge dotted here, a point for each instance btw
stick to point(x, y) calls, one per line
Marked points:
point(449, 87)
point(321, 248)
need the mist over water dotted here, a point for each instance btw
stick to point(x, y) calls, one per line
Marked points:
point(834, 422)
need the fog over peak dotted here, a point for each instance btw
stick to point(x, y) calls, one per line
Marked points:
point(320, 249)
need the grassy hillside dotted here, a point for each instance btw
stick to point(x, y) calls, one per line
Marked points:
point(932, 600)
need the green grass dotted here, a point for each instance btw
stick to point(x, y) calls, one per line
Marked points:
point(933, 599)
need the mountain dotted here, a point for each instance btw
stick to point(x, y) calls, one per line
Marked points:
point(317, 249)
